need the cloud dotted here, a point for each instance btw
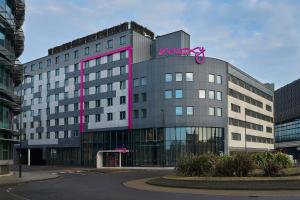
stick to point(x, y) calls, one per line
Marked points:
point(259, 36)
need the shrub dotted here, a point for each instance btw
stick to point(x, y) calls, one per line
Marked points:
point(272, 163)
point(201, 165)
point(224, 166)
point(243, 164)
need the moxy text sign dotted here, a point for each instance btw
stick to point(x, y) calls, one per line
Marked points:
point(198, 51)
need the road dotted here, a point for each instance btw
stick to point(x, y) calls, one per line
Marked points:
point(106, 186)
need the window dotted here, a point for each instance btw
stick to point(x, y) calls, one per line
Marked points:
point(144, 113)
point(31, 113)
point(40, 77)
point(219, 112)
point(66, 57)
point(236, 136)
point(211, 111)
point(189, 110)
point(48, 74)
point(56, 59)
point(48, 62)
point(66, 108)
point(75, 106)
point(143, 81)
point(98, 47)
point(86, 118)
point(178, 76)
point(86, 51)
point(168, 94)
point(144, 97)
point(86, 78)
point(97, 89)
point(56, 109)
point(75, 133)
point(122, 85)
point(86, 105)
point(109, 116)
point(32, 67)
point(76, 54)
point(31, 124)
point(56, 84)
point(219, 96)
point(211, 94)
point(57, 72)
point(98, 103)
point(32, 136)
point(109, 44)
point(39, 136)
point(179, 110)
point(123, 40)
point(109, 101)
point(76, 92)
point(56, 122)
point(235, 108)
point(66, 134)
point(211, 78)
point(202, 94)
point(219, 79)
point(48, 135)
point(122, 100)
point(66, 69)
point(56, 134)
point(136, 82)
point(66, 82)
point(168, 77)
point(178, 94)
point(66, 95)
point(122, 54)
point(122, 69)
point(75, 120)
point(109, 87)
point(86, 91)
point(40, 88)
point(189, 76)
point(136, 114)
point(97, 118)
point(98, 61)
point(76, 67)
point(97, 75)
point(268, 108)
point(136, 98)
point(48, 86)
point(48, 123)
point(56, 97)
point(122, 115)
point(40, 100)
point(66, 121)
point(110, 58)
point(269, 129)
point(40, 65)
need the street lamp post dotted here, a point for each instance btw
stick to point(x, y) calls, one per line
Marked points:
point(21, 126)
point(245, 130)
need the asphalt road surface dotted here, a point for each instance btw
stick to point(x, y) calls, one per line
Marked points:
point(108, 186)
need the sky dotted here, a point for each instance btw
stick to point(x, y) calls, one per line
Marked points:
point(261, 37)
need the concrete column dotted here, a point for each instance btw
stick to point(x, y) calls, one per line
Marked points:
point(99, 160)
point(28, 160)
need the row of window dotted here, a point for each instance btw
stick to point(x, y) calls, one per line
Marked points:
point(249, 125)
point(249, 87)
point(189, 76)
point(252, 138)
point(236, 108)
point(39, 136)
point(245, 98)
point(217, 95)
point(76, 53)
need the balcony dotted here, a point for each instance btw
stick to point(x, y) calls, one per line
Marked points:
point(19, 42)
point(19, 13)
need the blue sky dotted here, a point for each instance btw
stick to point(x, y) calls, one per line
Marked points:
point(261, 37)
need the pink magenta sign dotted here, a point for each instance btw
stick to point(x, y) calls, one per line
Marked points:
point(198, 51)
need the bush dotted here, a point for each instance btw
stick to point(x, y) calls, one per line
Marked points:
point(243, 164)
point(202, 165)
point(224, 166)
point(239, 164)
point(272, 163)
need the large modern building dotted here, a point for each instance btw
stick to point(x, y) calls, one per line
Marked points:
point(124, 94)
point(11, 47)
point(287, 119)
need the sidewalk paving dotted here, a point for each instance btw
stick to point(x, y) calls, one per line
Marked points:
point(13, 178)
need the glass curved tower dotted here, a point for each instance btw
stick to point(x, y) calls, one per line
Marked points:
point(12, 14)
